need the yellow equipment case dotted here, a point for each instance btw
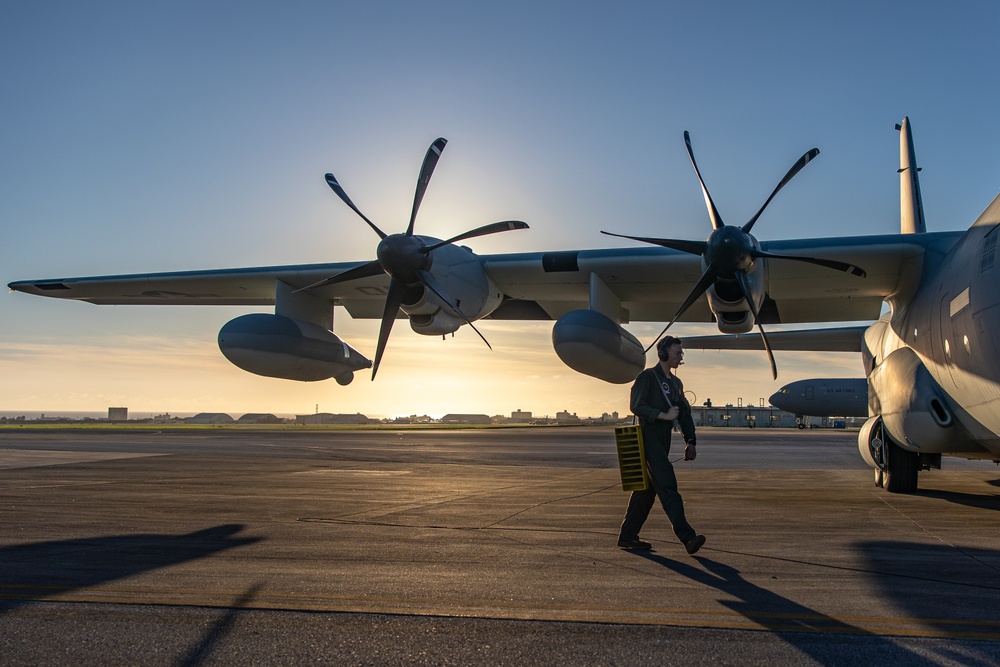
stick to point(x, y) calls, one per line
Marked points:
point(631, 458)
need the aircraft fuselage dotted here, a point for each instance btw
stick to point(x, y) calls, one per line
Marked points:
point(947, 326)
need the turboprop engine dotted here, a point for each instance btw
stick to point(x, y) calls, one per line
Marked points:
point(458, 273)
point(415, 287)
point(729, 304)
point(282, 347)
point(732, 277)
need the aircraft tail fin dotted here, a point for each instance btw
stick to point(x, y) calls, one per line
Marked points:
point(911, 206)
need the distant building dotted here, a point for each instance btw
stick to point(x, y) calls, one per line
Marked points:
point(328, 418)
point(521, 416)
point(565, 416)
point(210, 418)
point(465, 419)
point(742, 415)
point(259, 418)
point(413, 419)
point(117, 414)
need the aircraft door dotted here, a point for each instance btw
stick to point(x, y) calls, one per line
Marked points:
point(953, 337)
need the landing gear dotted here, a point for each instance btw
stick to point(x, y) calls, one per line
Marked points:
point(895, 468)
point(900, 475)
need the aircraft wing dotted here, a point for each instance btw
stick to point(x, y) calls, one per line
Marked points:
point(653, 282)
point(842, 339)
point(650, 282)
point(218, 287)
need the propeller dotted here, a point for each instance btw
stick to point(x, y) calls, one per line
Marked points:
point(405, 258)
point(730, 251)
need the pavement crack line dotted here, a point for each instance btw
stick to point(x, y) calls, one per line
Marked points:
point(343, 518)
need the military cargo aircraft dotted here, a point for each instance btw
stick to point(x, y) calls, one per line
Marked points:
point(932, 365)
point(824, 397)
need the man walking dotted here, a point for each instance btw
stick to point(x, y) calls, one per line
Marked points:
point(657, 399)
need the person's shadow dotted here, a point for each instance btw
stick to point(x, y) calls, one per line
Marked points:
point(42, 570)
point(787, 619)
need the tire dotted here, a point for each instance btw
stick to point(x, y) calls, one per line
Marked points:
point(901, 469)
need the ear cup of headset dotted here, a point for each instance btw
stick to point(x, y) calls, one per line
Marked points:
point(663, 347)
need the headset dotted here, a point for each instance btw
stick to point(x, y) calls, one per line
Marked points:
point(663, 347)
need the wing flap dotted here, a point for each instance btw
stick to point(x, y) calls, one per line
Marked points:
point(839, 339)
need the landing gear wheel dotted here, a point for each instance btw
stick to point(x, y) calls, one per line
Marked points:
point(900, 475)
point(876, 447)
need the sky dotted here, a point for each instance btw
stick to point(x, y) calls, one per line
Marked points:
point(142, 137)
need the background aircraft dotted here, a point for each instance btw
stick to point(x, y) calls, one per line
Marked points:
point(931, 368)
point(824, 397)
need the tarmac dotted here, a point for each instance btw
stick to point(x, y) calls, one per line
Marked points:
point(490, 546)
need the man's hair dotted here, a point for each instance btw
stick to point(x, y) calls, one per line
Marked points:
point(663, 347)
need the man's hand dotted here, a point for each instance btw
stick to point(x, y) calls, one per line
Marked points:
point(670, 414)
point(690, 452)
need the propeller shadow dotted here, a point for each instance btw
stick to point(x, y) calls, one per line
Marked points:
point(217, 633)
point(40, 570)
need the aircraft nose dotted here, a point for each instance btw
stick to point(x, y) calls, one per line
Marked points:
point(779, 399)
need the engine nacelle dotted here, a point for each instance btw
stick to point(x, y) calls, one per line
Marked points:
point(460, 275)
point(725, 298)
point(429, 315)
point(593, 344)
point(904, 393)
point(282, 347)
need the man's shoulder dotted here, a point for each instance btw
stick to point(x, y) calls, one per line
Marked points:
point(650, 372)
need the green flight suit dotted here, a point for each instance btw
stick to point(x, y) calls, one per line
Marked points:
point(648, 400)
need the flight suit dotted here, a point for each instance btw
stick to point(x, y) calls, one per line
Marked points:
point(648, 401)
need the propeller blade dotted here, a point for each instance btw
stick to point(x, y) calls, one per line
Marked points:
point(331, 180)
point(505, 226)
point(392, 302)
point(426, 169)
point(828, 263)
point(741, 278)
point(431, 283)
point(700, 288)
point(713, 212)
point(690, 247)
point(368, 270)
point(795, 168)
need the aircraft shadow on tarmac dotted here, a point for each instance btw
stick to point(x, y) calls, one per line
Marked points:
point(43, 570)
point(798, 624)
point(946, 584)
point(977, 500)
